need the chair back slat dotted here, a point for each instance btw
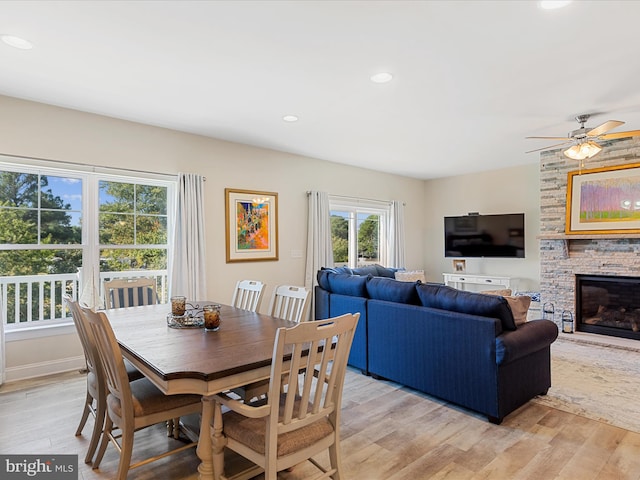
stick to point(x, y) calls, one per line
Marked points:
point(247, 295)
point(289, 302)
point(134, 292)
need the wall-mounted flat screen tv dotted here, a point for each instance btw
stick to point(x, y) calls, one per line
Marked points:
point(484, 236)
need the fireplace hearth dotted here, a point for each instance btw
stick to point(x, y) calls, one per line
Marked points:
point(608, 305)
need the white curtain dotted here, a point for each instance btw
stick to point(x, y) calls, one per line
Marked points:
point(188, 274)
point(396, 250)
point(90, 295)
point(319, 246)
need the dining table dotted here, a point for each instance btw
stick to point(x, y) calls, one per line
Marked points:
point(196, 361)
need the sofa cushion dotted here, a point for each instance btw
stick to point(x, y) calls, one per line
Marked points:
point(353, 285)
point(390, 290)
point(448, 298)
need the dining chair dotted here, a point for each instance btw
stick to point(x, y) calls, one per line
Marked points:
point(95, 399)
point(288, 302)
point(130, 292)
point(289, 427)
point(247, 295)
point(131, 405)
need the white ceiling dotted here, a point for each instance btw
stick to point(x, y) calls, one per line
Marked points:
point(471, 78)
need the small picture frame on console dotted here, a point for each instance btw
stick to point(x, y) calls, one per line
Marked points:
point(459, 266)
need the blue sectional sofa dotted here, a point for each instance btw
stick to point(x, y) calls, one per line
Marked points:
point(462, 347)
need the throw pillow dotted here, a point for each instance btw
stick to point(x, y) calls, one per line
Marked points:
point(502, 293)
point(412, 276)
point(519, 307)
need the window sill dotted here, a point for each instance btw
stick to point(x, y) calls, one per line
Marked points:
point(40, 331)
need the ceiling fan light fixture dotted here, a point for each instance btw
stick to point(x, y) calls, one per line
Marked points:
point(583, 150)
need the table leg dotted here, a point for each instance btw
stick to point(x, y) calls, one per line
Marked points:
point(204, 450)
point(219, 442)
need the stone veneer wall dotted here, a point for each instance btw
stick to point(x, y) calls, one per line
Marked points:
point(562, 257)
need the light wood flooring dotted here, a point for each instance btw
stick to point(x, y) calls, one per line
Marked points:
point(388, 433)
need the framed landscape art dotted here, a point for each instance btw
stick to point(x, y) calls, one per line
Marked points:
point(251, 219)
point(604, 200)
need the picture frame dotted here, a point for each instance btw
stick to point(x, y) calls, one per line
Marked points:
point(603, 200)
point(459, 265)
point(251, 225)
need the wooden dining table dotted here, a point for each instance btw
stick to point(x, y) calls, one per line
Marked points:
point(192, 360)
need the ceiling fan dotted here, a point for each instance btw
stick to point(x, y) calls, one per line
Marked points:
point(584, 140)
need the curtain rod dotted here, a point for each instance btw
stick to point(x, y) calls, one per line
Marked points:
point(78, 164)
point(357, 198)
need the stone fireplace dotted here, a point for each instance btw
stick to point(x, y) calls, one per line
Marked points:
point(565, 257)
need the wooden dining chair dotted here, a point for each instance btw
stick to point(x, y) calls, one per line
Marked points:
point(130, 292)
point(95, 399)
point(131, 405)
point(290, 427)
point(247, 295)
point(288, 302)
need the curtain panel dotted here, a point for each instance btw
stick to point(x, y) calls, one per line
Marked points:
point(188, 272)
point(396, 236)
point(319, 246)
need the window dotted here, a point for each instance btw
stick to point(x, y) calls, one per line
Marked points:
point(53, 222)
point(359, 231)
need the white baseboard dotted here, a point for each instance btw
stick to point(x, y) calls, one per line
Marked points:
point(33, 370)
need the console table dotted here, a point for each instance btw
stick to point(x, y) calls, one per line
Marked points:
point(458, 280)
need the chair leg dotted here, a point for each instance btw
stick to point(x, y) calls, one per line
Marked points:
point(85, 414)
point(336, 461)
point(108, 426)
point(98, 426)
point(126, 445)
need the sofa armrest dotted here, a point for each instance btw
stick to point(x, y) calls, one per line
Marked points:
point(530, 337)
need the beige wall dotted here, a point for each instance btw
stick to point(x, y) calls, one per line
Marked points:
point(510, 190)
point(36, 130)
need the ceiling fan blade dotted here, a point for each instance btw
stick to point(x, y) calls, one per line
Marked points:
point(549, 147)
point(605, 127)
point(552, 138)
point(611, 136)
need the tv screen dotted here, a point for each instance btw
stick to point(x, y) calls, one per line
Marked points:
point(484, 236)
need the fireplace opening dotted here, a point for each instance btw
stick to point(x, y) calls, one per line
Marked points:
point(608, 305)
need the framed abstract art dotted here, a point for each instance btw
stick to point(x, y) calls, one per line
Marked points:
point(251, 219)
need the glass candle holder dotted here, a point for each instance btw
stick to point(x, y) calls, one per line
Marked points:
point(211, 315)
point(178, 306)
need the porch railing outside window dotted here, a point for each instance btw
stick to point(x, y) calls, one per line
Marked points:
point(31, 300)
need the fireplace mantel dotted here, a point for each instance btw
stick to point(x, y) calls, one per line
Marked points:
point(590, 236)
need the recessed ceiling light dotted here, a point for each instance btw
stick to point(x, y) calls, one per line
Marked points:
point(382, 77)
point(290, 118)
point(16, 42)
point(553, 4)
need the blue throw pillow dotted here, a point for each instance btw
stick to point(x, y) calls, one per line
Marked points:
point(323, 278)
point(448, 298)
point(366, 270)
point(391, 290)
point(343, 284)
point(386, 272)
